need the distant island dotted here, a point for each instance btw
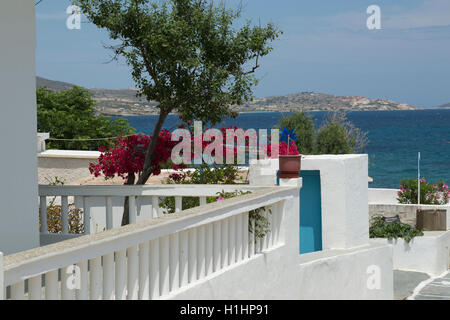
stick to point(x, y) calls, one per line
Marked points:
point(124, 102)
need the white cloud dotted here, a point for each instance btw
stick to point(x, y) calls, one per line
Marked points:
point(430, 13)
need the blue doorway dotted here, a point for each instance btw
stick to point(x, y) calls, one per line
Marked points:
point(310, 212)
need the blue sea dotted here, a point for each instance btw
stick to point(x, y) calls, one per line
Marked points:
point(395, 138)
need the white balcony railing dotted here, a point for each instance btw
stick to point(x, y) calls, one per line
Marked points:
point(101, 207)
point(151, 259)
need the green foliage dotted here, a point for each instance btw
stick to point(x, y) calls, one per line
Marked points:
point(303, 126)
point(379, 228)
point(70, 114)
point(336, 136)
point(333, 139)
point(185, 54)
point(339, 136)
point(435, 194)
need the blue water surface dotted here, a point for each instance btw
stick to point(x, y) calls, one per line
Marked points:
point(395, 138)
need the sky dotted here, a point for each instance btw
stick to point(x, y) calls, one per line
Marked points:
point(326, 47)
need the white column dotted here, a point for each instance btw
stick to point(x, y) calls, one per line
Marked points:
point(239, 237)
point(209, 243)
point(184, 252)
point(132, 273)
point(83, 292)
point(144, 278)
point(67, 293)
point(232, 240)
point(154, 269)
point(121, 275)
point(178, 204)
point(34, 288)
point(109, 214)
point(87, 216)
point(245, 236)
point(51, 285)
point(224, 232)
point(95, 278)
point(201, 254)
point(164, 265)
point(217, 251)
point(65, 215)
point(174, 262)
point(108, 276)
point(155, 207)
point(192, 265)
point(43, 207)
point(133, 209)
point(18, 291)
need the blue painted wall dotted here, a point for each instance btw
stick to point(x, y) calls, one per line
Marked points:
point(310, 212)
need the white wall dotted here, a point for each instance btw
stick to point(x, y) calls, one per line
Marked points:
point(68, 165)
point(383, 196)
point(18, 127)
point(344, 191)
point(282, 273)
point(429, 254)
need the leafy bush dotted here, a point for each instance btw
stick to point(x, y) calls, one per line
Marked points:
point(337, 135)
point(303, 126)
point(333, 139)
point(436, 194)
point(379, 228)
point(69, 114)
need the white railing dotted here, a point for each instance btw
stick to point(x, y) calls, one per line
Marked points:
point(151, 259)
point(101, 207)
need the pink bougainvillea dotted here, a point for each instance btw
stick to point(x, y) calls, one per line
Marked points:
point(127, 157)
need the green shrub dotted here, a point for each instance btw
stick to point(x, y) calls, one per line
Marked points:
point(337, 135)
point(303, 126)
point(379, 228)
point(70, 114)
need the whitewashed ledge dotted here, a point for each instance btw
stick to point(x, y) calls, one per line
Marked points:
point(429, 253)
point(71, 154)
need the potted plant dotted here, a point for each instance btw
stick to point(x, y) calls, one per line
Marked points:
point(289, 157)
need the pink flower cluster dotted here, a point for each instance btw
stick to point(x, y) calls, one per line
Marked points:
point(128, 156)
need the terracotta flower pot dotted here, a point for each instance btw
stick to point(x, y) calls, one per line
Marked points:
point(290, 166)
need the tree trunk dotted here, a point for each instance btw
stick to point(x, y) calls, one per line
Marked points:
point(147, 171)
point(126, 204)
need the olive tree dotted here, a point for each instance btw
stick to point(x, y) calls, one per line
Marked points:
point(187, 55)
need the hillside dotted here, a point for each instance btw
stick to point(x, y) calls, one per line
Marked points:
point(124, 102)
point(444, 106)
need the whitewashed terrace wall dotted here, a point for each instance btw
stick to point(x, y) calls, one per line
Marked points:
point(429, 254)
point(196, 254)
point(344, 192)
point(68, 165)
point(154, 258)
